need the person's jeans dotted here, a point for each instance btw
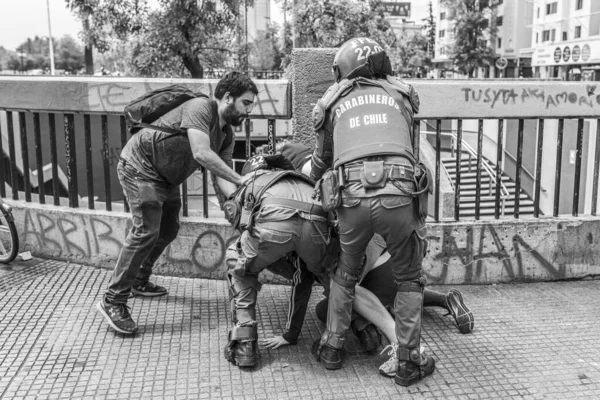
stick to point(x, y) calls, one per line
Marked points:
point(155, 216)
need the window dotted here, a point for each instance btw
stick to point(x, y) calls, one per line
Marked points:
point(545, 36)
point(579, 5)
point(577, 32)
point(499, 21)
point(565, 36)
point(499, 43)
point(442, 33)
point(538, 13)
point(537, 37)
point(551, 8)
point(443, 15)
point(553, 35)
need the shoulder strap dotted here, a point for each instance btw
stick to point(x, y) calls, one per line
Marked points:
point(159, 128)
point(265, 181)
point(334, 92)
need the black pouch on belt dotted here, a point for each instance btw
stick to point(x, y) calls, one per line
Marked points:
point(373, 175)
point(329, 190)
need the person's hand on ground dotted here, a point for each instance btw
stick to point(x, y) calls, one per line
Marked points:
point(275, 342)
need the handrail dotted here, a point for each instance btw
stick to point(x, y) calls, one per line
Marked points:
point(490, 171)
point(524, 169)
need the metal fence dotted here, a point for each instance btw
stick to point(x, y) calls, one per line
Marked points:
point(46, 180)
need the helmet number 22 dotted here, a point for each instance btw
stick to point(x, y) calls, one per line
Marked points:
point(365, 52)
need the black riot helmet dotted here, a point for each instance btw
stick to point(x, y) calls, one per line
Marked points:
point(361, 57)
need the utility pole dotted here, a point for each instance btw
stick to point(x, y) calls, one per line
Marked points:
point(50, 42)
point(246, 33)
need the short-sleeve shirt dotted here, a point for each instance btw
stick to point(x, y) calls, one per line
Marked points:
point(167, 157)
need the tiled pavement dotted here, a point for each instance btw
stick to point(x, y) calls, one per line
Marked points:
point(531, 341)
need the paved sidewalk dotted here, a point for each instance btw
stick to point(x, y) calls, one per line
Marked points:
point(531, 341)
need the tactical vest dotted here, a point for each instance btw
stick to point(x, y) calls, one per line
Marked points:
point(241, 210)
point(370, 117)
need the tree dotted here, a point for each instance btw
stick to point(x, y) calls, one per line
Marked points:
point(106, 19)
point(119, 59)
point(4, 57)
point(190, 33)
point(429, 27)
point(409, 56)
point(264, 50)
point(14, 64)
point(329, 23)
point(69, 54)
point(472, 32)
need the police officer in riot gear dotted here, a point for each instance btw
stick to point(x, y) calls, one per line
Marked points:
point(277, 216)
point(364, 125)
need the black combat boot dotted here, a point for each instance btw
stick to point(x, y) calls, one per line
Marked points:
point(369, 337)
point(410, 372)
point(330, 357)
point(244, 353)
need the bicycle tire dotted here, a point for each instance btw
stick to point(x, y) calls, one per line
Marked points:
point(9, 240)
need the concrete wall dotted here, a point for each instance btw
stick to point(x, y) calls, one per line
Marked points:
point(474, 252)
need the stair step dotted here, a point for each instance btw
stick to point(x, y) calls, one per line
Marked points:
point(524, 199)
point(472, 178)
point(523, 211)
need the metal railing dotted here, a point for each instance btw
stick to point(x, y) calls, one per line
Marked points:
point(33, 152)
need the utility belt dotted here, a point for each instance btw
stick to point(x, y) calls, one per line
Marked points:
point(393, 171)
point(248, 211)
point(302, 206)
point(374, 175)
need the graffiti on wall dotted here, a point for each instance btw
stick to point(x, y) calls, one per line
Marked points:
point(484, 247)
point(207, 253)
point(114, 96)
point(86, 237)
point(550, 98)
point(81, 236)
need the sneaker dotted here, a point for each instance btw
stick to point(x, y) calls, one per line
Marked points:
point(330, 357)
point(118, 317)
point(369, 337)
point(390, 367)
point(409, 372)
point(457, 308)
point(148, 289)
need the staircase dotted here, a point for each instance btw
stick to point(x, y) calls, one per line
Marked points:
point(468, 187)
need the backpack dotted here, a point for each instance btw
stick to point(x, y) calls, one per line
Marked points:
point(141, 112)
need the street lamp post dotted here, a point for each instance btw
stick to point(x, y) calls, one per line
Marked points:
point(50, 44)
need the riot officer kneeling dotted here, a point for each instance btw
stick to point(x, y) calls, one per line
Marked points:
point(368, 174)
point(276, 215)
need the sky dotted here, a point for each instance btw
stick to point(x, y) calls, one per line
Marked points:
point(20, 19)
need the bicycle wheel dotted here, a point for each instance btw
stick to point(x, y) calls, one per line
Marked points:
point(9, 241)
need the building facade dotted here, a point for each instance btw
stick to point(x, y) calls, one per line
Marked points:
point(566, 37)
point(513, 20)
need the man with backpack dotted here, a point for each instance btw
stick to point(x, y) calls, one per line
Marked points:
point(178, 135)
